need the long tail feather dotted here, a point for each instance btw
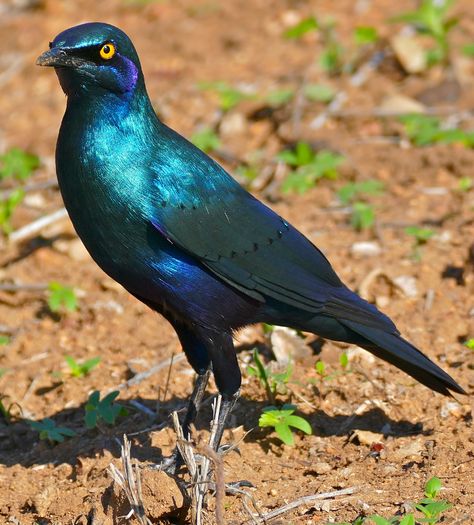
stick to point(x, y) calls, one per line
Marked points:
point(399, 352)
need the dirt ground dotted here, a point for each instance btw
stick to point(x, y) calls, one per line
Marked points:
point(182, 43)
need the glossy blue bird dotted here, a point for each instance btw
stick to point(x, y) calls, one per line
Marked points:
point(180, 234)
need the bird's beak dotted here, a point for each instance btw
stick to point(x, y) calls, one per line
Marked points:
point(58, 57)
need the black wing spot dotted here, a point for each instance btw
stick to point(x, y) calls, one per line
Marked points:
point(182, 206)
point(194, 207)
point(233, 254)
point(163, 204)
point(270, 240)
point(255, 246)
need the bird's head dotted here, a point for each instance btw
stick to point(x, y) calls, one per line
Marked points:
point(92, 59)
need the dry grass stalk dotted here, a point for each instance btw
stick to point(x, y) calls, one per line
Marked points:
point(129, 480)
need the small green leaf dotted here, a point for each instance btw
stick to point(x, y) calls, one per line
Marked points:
point(319, 93)
point(465, 184)
point(8, 206)
point(421, 235)
point(303, 27)
point(468, 50)
point(470, 343)
point(365, 35)
point(206, 139)
point(61, 296)
point(363, 215)
point(4, 339)
point(18, 164)
point(408, 519)
point(320, 368)
point(284, 433)
point(344, 360)
point(279, 97)
point(432, 487)
point(299, 423)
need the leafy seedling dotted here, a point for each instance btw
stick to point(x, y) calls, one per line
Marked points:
point(105, 409)
point(228, 96)
point(283, 420)
point(430, 507)
point(308, 167)
point(6, 411)
point(49, 431)
point(331, 59)
point(424, 130)
point(432, 19)
point(81, 369)
point(465, 184)
point(365, 35)
point(206, 139)
point(319, 93)
point(470, 343)
point(61, 297)
point(279, 97)
point(353, 190)
point(7, 206)
point(421, 236)
point(17, 164)
point(273, 382)
point(363, 216)
point(301, 28)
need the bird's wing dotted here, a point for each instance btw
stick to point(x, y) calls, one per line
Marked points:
point(249, 246)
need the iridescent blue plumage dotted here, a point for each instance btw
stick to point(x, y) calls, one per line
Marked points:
point(169, 224)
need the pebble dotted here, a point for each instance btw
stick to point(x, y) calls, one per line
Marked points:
point(233, 124)
point(407, 284)
point(321, 467)
point(366, 249)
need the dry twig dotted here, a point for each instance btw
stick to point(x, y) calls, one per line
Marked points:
point(30, 230)
point(129, 480)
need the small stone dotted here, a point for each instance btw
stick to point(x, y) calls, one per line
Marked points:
point(410, 52)
point(451, 408)
point(406, 284)
point(366, 249)
point(398, 103)
point(233, 124)
point(287, 344)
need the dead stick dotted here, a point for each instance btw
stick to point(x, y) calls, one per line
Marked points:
point(30, 230)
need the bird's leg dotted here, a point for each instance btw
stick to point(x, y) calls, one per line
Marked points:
point(172, 463)
point(220, 418)
point(195, 401)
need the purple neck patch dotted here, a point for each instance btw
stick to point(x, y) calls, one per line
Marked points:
point(130, 74)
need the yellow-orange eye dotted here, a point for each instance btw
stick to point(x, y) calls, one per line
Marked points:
point(107, 51)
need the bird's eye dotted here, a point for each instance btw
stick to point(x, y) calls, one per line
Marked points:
point(107, 51)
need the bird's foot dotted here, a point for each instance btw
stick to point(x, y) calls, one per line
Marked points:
point(170, 465)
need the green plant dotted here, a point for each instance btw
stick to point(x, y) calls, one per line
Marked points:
point(470, 343)
point(301, 28)
point(431, 18)
point(4, 339)
point(365, 35)
point(331, 59)
point(274, 382)
point(105, 409)
point(465, 184)
point(6, 410)
point(61, 297)
point(49, 431)
point(363, 215)
point(206, 139)
point(7, 207)
point(468, 50)
point(17, 164)
point(308, 167)
point(283, 420)
point(424, 130)
point(350, 191)
point(81, 369)
point(421, 235)
point(319, 93)
point(279, 97)
point(228, 96)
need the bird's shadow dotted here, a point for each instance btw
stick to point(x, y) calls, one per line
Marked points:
point(20, 444)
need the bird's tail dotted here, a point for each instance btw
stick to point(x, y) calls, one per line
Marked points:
point(393, 348)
